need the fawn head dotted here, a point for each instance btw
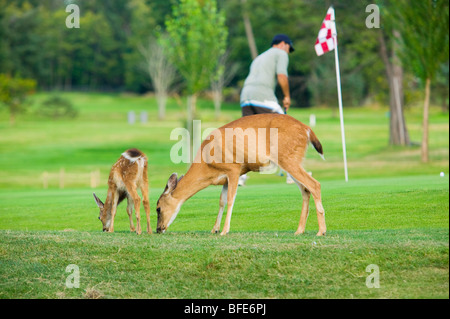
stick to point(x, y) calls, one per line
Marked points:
point(167, 206)
point(103, 216)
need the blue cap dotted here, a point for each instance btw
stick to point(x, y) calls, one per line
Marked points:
point(283, 37)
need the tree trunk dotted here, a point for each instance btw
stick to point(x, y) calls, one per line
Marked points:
point(191, 102)
point(189, 115)
point(426, 108)
point(217, 97)
point(398, 133)
point(162, 100)
point(249, 30)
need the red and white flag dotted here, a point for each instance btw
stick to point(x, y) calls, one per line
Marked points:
point(325, 39)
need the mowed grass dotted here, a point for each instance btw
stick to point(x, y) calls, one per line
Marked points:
point(412, 264)
point(393, 212)
point(390, 203)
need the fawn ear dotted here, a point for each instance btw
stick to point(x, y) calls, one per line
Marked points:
point(98, 201)
point(171, 183)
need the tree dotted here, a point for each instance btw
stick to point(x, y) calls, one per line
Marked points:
point(20, 42)
point(141, 27)
point(13, 92)
point(197, 38)
point(222, 76)
point(249, 30)
point(398, 132)
point(424, 37)
point(162, 73)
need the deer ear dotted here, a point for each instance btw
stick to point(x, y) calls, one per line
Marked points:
point(171, 183)
point(98, 201)
point(180, 179)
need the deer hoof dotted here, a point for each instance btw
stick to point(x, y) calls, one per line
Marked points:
point(321, 233)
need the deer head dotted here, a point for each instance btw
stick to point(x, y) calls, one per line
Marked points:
point(168, 206)
point(103, 217)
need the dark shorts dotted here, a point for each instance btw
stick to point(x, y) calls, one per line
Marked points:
point(251, 110)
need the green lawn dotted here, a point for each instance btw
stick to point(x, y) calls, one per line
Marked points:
point(365, 204)
point(413, 264)
point(393, 212)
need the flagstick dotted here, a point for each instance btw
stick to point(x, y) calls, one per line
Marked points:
point(341, 112)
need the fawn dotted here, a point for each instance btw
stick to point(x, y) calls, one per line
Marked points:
point(127, 175)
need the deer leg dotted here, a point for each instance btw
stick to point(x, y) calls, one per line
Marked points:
point(113, 211)
point(222, 203)
point(315, 191)
point(130, 212)
point(313, 186)
point(144, 190)
point(231, 196)
point(146, 203)
point(305, 209)
point(137, 205)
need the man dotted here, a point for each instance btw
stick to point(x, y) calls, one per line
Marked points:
point(258, 93)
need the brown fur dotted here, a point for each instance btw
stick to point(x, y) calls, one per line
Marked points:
point(293, 139)
point(125, 178)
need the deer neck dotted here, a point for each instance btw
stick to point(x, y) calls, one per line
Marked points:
point(108, 204)
point(194, 181)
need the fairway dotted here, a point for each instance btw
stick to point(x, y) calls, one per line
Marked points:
point(393, 213)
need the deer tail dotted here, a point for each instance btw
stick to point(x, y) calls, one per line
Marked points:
point(315, 142)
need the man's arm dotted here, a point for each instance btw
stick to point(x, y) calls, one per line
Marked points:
point(284, 83)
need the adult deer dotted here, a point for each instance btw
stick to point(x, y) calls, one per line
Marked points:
point(127, 175)
point(290, 142)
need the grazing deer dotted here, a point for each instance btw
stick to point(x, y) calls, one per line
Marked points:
point(127, 174)
point(292, 140)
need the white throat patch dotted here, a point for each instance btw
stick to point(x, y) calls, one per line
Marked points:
point(177, 210)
